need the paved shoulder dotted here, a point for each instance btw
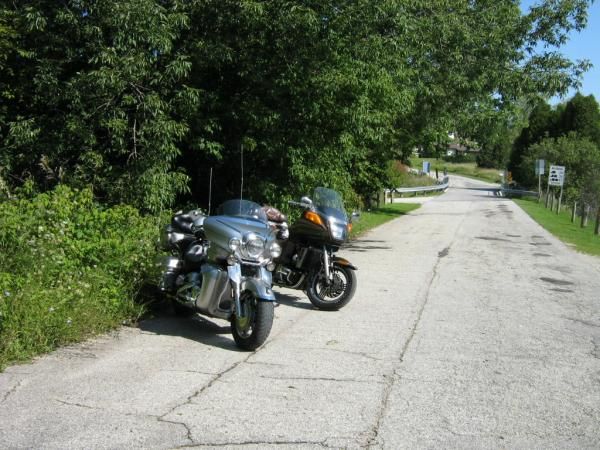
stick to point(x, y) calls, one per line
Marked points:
point(471, 327)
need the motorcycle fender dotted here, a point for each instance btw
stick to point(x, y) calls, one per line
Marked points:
point(260, 287)
point(344, 262)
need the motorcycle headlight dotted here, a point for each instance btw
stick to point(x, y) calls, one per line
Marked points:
point(234, 244)
point(338, 231)
point(275, 250)
point(255, 246)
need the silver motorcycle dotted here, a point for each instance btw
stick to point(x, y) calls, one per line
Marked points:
point(220, 266)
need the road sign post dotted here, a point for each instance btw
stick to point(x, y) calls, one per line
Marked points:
point(556, 177)
point(426, 167)
point(539, 171)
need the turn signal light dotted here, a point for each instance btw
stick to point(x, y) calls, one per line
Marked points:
point(349, 227)
point(314, 218)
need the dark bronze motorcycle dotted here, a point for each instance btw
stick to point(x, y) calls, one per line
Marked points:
point(308, 261)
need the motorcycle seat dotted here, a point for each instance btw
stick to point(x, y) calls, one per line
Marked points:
point(182, 222)
point(274, 215)
point(189, 223)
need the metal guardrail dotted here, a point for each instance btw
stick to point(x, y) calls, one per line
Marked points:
point(444, 184)
point(410, 190)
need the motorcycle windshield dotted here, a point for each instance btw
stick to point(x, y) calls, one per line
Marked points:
point(242, 208)
point(324, 198)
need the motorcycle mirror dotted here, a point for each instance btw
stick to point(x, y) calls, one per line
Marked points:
point(306, 200)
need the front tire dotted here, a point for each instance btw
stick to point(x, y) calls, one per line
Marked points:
point(252, 331)
point(335, 296)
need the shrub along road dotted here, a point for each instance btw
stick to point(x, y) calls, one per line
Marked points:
point(471, 327)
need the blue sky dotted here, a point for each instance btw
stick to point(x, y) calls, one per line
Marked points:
point(583, 45)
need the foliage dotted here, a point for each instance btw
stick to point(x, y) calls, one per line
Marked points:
point(579, 155)
point(141, 98)
point(568, 135)
point(69, 269)
point(580, 115)
point(470, 170)
point(560, 226)
point(96, 96)
point(399, 175)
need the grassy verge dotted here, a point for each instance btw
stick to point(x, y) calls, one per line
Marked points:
point(560, 226)
point(465, 169)
point(70, 269)
point(371, 219)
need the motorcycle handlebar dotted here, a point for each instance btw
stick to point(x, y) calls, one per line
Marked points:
point(300, 204)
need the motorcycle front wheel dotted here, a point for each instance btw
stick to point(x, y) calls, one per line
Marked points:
point(333, 295)
point(251, 331)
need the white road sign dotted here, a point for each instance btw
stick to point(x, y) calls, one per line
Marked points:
point(556, 177)
point(539, 166)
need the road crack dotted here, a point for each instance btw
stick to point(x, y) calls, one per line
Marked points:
point(337, 380)
point(216, 377)
point(257, 442)
point(11, 391)
point(596, 349)
point(583, 322)
point(372, 436)
point(362, 354)
point(78, 405)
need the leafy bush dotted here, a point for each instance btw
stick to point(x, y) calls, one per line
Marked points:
point(69, 269)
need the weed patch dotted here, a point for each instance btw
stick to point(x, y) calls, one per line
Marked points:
point(69, 269)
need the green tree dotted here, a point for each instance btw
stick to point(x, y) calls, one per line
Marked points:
point(581, 114)
point(141, 98)
point(579, 155)
point(541, 123)
point(98, 88)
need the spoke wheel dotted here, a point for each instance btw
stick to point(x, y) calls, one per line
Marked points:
point(334, 294)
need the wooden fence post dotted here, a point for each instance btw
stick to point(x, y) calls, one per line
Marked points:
point(573, 212)
point(597, 227)
point(583, 215)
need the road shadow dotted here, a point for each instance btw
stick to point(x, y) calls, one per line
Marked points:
point(195, 328)
point(294, 301)
point(362, 245)
point(467, 188)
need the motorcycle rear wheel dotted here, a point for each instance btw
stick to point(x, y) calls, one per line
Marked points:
point(251, 332)
point(337, 294)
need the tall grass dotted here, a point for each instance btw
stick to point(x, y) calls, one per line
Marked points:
point(69, 269)
point(560, 226)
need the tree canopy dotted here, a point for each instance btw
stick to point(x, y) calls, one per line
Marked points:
point(140, 99)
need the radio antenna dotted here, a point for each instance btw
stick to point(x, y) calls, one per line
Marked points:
point(210, 190)
point(242, 165)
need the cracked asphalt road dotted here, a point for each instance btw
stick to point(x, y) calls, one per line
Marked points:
point(472, 327)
